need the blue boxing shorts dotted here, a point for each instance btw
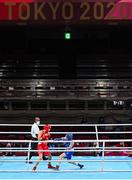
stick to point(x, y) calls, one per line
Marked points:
point(69, 154)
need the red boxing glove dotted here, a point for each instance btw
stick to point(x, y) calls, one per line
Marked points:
point(46, 136)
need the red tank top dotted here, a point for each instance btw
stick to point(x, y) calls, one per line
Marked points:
point(44, 136)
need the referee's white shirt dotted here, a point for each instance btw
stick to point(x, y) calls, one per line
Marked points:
point(34, 130)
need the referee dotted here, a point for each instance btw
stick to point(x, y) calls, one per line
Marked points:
point(34, 135)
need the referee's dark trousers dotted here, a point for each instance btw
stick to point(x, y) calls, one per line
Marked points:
point(33, 147)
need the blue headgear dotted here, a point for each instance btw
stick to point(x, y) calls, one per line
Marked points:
point(69, 136)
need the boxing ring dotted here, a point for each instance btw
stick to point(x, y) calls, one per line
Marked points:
point(99, 167)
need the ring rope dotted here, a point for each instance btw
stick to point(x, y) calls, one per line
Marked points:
point(77, 160)
point(60, 171)
point(73, 125)
point(109, 132)
point(62, 148)
point(52, 141)
point(97, 150)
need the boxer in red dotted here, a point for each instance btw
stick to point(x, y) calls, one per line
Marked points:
point(44, 135)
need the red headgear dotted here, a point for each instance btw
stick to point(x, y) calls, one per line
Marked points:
point(47, 127)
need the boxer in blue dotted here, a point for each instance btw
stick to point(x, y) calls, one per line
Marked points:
point(69, 151)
